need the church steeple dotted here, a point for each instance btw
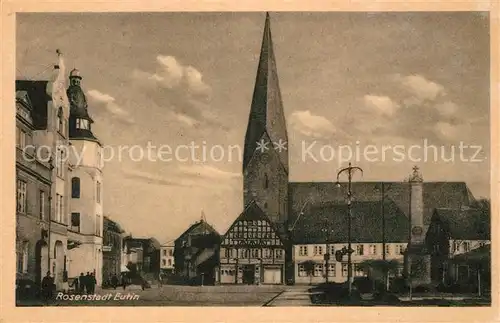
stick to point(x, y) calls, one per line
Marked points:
point(266, 113)
point(265, 157)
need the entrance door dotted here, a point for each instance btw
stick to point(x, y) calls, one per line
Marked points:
point(249, 274)
point(272, 275)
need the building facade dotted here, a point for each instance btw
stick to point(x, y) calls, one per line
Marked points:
point(252, 251)
point(33, 183)
point(454, 236)
point(167, 260)
point(50, 129)
point(144, 253)
point(111, 249)
point(86, 225)
point(196, 253)
point(322, 231)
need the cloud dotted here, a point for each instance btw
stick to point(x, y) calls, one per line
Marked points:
point(207, 171)
point(452, 132)
point(197, 175)
point(181, 89)
point(171, 74)
point(447, 108)
point(420, 87)
point(186, 119)
point(311, 125)
point(150, 178)
point(382, 104)
point(100, 97)
point(109, 103)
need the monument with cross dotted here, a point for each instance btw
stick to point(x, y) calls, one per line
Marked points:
point(417, 258)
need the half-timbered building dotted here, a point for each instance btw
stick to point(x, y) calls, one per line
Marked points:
point(252, 250)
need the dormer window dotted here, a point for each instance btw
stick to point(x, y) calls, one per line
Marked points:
point(82, 124)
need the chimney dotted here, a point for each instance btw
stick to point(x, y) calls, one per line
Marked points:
point(417, 207)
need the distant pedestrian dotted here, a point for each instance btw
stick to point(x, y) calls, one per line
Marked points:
point(114, 281)
point(88, 282)
point(81, 284)
point(65, 285)
point(75, 285)
point(124, 282)
point(93, 282)
point(47, 286)
point(160, 279)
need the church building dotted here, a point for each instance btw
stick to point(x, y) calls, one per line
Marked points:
point(253, 249)
point(285, 224)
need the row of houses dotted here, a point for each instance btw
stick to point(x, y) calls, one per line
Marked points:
point(253, 252)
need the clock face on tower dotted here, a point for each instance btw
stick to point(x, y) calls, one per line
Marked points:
point(417, 230)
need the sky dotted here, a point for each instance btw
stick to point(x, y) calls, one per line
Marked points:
point(358, 80)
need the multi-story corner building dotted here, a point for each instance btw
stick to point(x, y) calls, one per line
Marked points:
point(86, 226)
point(167, 260)
point(196, 253)
point(50, 117)
point(111, 249)
point(33, 177)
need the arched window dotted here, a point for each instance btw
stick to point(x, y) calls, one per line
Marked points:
point(266, 181)
point(75, 187)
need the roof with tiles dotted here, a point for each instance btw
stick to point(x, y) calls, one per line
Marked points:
point(435, 195)
point(328, 222)
point(464, 224)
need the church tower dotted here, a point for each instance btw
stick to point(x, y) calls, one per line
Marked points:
point(86, 224)
point(265, 158)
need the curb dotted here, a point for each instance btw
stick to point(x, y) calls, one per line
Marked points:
point(268, 303)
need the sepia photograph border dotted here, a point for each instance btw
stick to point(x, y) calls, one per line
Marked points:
point(10, 313)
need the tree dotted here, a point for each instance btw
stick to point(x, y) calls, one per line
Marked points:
point(309, 269)
point(379, 270)
point(417, 268)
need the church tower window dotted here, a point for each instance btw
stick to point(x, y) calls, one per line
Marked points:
point(266, 181)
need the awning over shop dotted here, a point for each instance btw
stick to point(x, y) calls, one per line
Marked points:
point(73, 244)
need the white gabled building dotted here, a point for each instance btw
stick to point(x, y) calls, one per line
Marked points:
point(167, 260)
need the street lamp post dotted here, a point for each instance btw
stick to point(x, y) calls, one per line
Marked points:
point(350, 170)
point(51, 167)
point(327, 255)
point(382, 210)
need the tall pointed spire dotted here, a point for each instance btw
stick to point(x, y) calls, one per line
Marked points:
point(266, 114)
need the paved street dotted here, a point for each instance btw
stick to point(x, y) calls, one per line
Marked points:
point(270, 296)
point(174, 295)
